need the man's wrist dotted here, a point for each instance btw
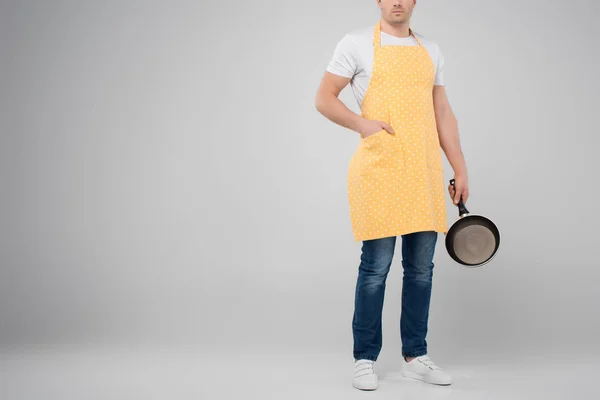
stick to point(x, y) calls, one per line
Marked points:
point(355, 123)
point(462, 172)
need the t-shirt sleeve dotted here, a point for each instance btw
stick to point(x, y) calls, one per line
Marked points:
point(343, 62)
point(439, 74)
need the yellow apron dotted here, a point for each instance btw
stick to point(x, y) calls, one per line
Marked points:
point(396, 181)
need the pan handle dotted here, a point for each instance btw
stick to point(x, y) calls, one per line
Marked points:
point(462, 210)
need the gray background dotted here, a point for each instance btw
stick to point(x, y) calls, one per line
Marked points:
point(167, 182)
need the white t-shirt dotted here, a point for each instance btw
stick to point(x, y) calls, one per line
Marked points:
point(353, 57)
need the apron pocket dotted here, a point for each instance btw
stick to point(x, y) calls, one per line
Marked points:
point(434, 153)
point(373, 135)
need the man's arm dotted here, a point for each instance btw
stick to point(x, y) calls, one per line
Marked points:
point(328, 103)
point(447, 127)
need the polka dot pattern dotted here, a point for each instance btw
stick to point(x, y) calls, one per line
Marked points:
point(396, 181)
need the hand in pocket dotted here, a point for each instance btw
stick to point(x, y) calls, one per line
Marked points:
point(370, 127)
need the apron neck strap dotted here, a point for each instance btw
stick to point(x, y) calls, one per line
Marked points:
point(377, 35)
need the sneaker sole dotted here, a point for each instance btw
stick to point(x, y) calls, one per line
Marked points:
point(418, 377)
point(364, 387)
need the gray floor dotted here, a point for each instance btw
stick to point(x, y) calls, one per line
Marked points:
point(77, 374)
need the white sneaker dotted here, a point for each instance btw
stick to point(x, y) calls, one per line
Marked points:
point(364, 377)
point(422, 368)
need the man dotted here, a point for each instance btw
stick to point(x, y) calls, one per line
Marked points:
point(395, 177)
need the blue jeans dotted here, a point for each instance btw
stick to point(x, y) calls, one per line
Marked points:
point(417, 261)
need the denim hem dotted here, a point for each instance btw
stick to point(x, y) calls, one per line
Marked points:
point(414, 353)
point(365, 357)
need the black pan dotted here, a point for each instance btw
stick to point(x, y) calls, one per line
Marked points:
point(472, 240)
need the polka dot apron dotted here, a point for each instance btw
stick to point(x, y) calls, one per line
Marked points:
point(396, 181)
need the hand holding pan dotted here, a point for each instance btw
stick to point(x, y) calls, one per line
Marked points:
point(472, 240)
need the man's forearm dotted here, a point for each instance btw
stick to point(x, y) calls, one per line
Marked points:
point(336, 111)
point(450, 142)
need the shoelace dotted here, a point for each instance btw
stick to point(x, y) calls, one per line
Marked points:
point(364, 367)
point(426, 361)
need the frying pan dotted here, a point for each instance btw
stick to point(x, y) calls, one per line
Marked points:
point(472, 240)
